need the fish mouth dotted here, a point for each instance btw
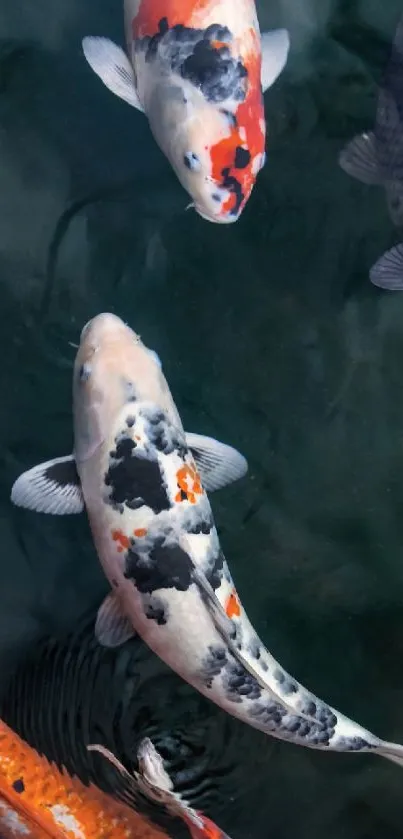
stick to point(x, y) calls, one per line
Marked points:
point(105, 325)
point(228, 218)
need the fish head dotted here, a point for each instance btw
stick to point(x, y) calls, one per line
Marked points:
point(209, 148)
point(112, 367)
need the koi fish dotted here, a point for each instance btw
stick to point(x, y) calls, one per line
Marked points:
point(155, 783)
point(197, 69)
point(39, 802)
point(376, 157)
point(144, 483)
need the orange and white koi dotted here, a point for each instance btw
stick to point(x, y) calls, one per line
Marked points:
point(143, 482)
point(198, 70)
point(37, 801)
point(154, 782)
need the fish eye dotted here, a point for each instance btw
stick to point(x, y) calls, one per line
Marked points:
point(84, 372)
point(156, 357)
point(192, 161)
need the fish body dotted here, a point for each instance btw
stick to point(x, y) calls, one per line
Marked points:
point(144, 483)
point(376, 158)
point(154, 782)
point(198, 69)
point(39, 802)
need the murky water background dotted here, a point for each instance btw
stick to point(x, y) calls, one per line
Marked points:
point(273, 340)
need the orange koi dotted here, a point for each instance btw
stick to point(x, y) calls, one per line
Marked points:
point(37, 801)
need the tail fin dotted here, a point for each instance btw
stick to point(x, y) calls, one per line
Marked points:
point(392, 751)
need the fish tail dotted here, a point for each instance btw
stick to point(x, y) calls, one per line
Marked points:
point(392, 751)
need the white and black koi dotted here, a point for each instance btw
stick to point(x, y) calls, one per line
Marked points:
point(143, 483)
point(376, 157)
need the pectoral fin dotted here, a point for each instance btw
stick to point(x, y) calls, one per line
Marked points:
point(125, 787)
point(217, 463)
point(53, 487)
point(112, 627)
point(275, 48)
point(112, 65)
point(387, 273)
point(359, 159)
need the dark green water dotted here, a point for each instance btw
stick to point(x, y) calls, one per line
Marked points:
point(272, 339)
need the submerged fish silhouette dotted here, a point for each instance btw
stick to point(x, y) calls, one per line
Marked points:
point(376, 157)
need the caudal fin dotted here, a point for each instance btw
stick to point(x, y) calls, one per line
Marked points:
point(392, 751)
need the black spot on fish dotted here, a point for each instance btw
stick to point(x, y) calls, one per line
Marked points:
point(288, 686)
point(162, 434)
point(198, 520)
point(19, 785)
point(163, 25)
point(133, 480)
point(326, 716)
point(216, 197)
point(214, 72)
point(309, 708)
point(238, 683)
point(192, 161)
point(232, 184)
point(242, 158)
point(268, 714)
point(271, 716)
point(202, 56)
point(155, 611)
point(354, 744)
point(213, 664)
point(84, 372)
point(230, 117)
point(166, 566)
point(255, 648)
point(130, 393)
point(130, 422)
point(200, 527)
point(214, 574)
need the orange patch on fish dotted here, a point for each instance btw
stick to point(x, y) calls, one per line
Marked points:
point(189, 483)
point(233, 606)
point(39, 802)
point(247, 133)
point(177, 11)
point(141, 531)
point(122, 540)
